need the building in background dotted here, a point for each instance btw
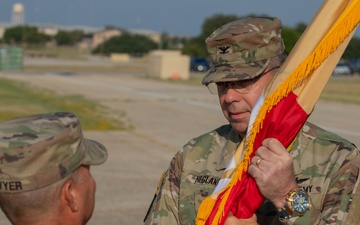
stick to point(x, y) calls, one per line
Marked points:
point(154, 36)
point(105, 34)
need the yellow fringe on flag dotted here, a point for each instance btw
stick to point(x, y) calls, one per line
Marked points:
point(204, 210)
point(336, 35)
point(347, 22)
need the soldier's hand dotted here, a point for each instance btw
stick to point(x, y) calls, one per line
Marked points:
point(273, 170)
point(233, 220)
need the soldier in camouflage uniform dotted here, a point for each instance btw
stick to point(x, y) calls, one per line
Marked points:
point(245, 55)
point(44, 170)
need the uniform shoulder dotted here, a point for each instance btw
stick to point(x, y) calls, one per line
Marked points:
point(319, 134)
point(218, 135)
point(222, 131)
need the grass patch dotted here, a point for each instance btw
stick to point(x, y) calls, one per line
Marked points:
point(343, 90)
point(19, 99)
point(88, 68)
point(57, 52)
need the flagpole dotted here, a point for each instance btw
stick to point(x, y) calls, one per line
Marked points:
point(304, 74)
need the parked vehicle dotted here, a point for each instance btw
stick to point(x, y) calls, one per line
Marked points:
point(355, 65)
point(342, 69)
point(199, 64)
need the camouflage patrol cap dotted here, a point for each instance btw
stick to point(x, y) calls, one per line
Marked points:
point(38, 150)
point(242, 49)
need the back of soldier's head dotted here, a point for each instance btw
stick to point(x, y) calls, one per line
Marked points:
point(38, 154)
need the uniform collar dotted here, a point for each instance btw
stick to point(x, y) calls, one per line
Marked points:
point(228, 149)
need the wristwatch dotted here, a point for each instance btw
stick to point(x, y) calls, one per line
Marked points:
point(297, 204)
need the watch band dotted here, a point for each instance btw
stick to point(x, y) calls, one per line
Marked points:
point(284, 214)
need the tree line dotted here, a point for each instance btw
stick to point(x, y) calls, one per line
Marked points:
point(31, 36)
point(136, 44)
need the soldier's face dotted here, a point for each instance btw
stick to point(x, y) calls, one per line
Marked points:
point(237, 105)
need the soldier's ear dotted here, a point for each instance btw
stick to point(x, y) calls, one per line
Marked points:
point(69, 195)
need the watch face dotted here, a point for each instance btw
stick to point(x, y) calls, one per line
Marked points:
point(301, 202)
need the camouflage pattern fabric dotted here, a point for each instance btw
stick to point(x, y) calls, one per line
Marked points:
point(242, 49)
point(354, 215)
point(326, 166)
point(38, 150)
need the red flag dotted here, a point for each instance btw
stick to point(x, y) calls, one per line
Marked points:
point(284, 107)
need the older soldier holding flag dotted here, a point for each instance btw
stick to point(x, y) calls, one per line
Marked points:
point(320, 172)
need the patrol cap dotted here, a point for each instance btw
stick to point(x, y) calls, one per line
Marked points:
point(242, 49)
point(38, 150)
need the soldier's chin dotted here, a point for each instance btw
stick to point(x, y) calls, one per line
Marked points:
point(239, 127)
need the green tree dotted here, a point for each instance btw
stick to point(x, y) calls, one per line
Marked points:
point(197, 46)
point(69, 37)
point(25, 35)
point(290, 37)
point(77, 35)
point(300, 27)
point(14, 35)
point(353, 49)
point(63, 38)
point(33, 37)
point(127, 43)
point(214, 22)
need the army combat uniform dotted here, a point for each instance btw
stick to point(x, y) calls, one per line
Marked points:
point(326, 166)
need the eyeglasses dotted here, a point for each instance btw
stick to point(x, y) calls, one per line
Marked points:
point(241, 87)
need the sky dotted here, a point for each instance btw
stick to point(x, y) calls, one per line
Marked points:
point(183, 17)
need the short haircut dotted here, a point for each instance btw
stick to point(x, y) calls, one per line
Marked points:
point(37, 203)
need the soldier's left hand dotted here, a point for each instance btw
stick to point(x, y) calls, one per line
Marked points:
point(273, 170)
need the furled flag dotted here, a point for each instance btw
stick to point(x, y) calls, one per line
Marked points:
point(284, 106)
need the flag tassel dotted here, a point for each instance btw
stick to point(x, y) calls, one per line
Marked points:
point(204, 210)
point(346, 23)
point(341, 29)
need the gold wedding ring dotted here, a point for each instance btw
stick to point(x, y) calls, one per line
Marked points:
point(257, 163)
